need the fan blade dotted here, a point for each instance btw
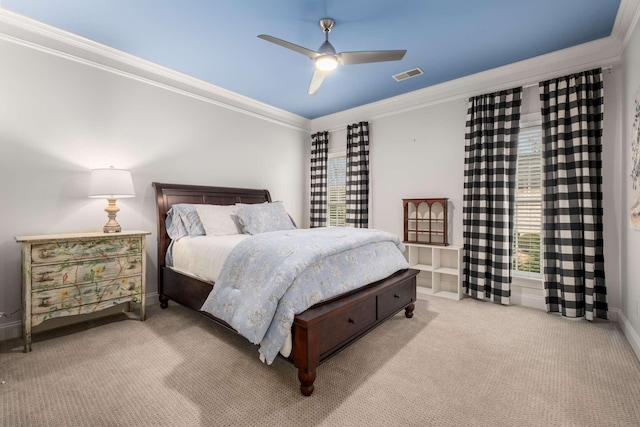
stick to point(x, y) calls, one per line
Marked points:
point(362, 57)
point(316, 81)
point(303, 50)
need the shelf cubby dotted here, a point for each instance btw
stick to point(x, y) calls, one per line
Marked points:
point(440, 269)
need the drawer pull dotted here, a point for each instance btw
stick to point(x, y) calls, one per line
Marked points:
point(396, 296)
point(353, 322)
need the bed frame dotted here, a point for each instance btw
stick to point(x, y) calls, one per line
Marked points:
point(319, 332)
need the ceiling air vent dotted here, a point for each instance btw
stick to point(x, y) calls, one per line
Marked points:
point(408, 74)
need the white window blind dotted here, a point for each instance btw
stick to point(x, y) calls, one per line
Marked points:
point(527, 231)
point(336, 190)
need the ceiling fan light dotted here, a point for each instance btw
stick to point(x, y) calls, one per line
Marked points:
point(326, 63)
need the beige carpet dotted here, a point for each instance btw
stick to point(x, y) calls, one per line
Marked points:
point(463, 363)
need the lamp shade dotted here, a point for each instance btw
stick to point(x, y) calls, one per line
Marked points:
point(111, 184)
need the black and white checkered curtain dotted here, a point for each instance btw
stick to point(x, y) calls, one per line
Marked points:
point(319, 156)
point(357, 191)
point(572, 114)
point(489, 192)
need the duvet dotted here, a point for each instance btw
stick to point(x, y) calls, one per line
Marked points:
point(269, 278)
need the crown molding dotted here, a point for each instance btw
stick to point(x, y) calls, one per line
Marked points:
point(21, 30)
point(36, 35)
point(599, 53)
point(626, 20)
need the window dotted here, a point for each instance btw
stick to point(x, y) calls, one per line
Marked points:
point(527, 249)
point(336, 190)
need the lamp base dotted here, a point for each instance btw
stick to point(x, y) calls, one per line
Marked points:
point(112, 225)
point(112, 228)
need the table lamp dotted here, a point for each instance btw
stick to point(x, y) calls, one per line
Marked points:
point(111, 184)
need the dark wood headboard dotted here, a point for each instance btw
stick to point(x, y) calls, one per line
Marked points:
point(168, 195)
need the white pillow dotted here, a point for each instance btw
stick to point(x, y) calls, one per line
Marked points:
point(218, 220)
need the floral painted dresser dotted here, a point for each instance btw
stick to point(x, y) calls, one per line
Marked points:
point(71, 274)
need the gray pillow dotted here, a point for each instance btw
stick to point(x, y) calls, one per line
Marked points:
point(183, 220)
point(264, 217)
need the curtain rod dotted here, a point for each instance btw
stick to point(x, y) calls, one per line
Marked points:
point(607, 68)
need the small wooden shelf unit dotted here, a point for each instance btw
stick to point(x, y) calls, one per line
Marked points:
point(428, 249)
point(425, 221)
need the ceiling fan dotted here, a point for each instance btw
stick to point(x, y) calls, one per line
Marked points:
point(326, 59)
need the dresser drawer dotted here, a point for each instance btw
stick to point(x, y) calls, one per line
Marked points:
point(73, 273)
point(43, 301)
point(82, 249)
point(346, 324)
point(37, 319)
point(396, 298)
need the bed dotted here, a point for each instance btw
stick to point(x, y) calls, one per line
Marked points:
point(317, 333)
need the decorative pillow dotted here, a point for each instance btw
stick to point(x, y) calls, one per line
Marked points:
point(264, 217)
point(182, 220)
point(218, 220)
point(174, 225)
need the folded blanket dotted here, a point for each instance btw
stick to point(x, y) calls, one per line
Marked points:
point(270, 277)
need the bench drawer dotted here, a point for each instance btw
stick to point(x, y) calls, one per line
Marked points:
point(346, 324)
point(396, 298)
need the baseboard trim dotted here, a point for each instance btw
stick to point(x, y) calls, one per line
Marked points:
point(13, 330)
point(526, 300)
point(628, 331)
point(10, 330)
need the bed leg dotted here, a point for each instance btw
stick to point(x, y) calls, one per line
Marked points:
point(306, 381)
point(164, 301)
point(408, 311)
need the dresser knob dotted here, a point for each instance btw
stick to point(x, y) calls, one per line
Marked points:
point(396, 296)
point(353, 322)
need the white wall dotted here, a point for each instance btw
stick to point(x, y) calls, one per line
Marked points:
point(612, 187)
point(631, 238)
point(419, 153)
point(60, 118)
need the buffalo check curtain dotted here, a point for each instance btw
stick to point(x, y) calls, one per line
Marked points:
point(319, 156)
point(489, 192)
point(357, 191)
point(572, 116)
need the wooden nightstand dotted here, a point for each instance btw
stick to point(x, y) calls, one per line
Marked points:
point(71, 274)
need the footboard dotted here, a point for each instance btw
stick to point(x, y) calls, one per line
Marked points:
point(325, 329)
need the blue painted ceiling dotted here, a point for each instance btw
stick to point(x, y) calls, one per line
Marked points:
point(216, 40)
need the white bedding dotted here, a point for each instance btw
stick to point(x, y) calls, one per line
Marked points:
point(204, 256)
